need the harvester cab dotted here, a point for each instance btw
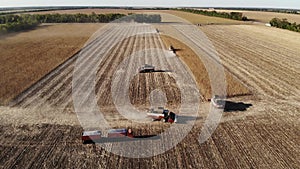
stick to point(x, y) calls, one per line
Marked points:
point(162, 114)
point(172, 49)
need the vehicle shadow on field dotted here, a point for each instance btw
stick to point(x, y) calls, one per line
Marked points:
point(154, 71)
point(176, 50)
point(4, 36)
point(236, 106)
point(185, 119)
point(171, 23)
point(162, 71)
point(123, 139)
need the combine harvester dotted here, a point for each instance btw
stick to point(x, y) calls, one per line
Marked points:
point(172, 49)
point(162, 114)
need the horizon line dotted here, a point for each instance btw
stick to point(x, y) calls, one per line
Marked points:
point(142, 6)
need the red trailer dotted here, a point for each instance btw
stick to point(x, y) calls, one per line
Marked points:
point(89, 136)
point(115, 133)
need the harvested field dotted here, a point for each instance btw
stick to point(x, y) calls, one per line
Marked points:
point(256, 141)
point(41, 129)
point(45, 48)
point(267, 62)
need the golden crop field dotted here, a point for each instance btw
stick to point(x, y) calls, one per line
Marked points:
point(234, 86)
point(28, 56)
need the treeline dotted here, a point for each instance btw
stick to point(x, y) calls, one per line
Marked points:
point(285, 24)
point(13, 23)
point(142, 18)
point(154, 8)
point(290, 11)
point(232, 15)
point(19, 10)
point(77, 18)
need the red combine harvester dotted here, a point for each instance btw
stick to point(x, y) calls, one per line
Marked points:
point(94, 136)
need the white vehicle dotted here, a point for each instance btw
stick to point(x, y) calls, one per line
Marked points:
point(146, 68)
point(218, 102)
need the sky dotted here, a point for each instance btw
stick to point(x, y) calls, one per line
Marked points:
point(293, 4)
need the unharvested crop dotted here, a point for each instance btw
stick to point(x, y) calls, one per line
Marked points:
point(234, 86)
point(28, 56)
